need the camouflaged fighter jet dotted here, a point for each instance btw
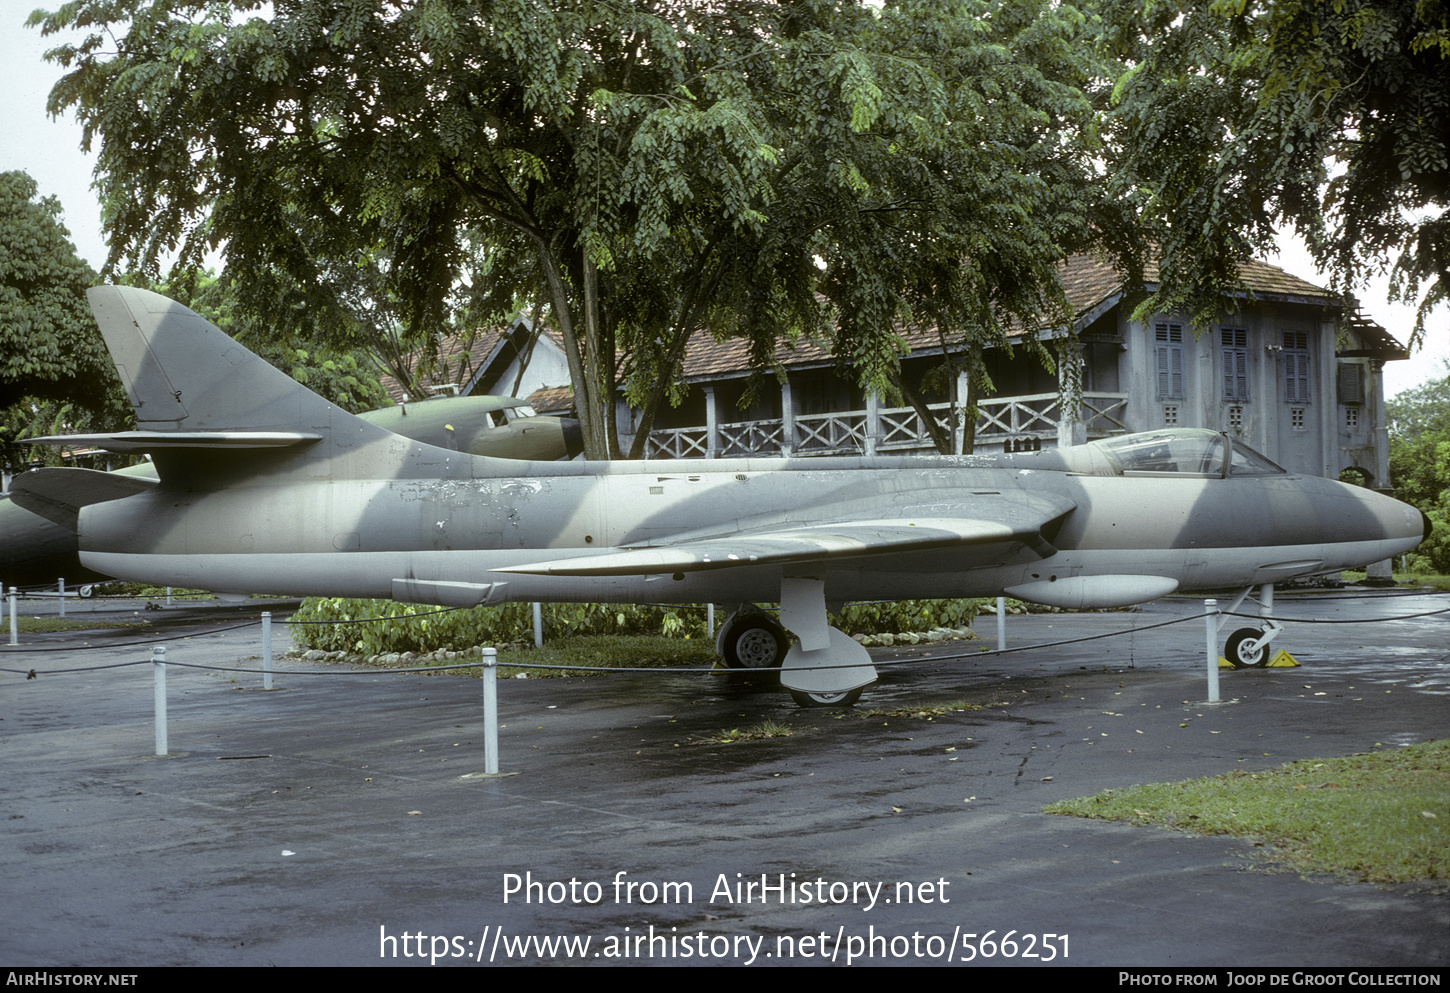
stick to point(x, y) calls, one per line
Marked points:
point(264, 486)
point(35, 551)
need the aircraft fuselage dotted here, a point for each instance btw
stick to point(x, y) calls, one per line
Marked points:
point(287, 533)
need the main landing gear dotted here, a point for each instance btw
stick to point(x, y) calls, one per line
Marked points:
point(1248, 648)
point(826, 668)
point(751, 639)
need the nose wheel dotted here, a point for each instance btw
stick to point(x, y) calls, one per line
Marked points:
point(1246, 649)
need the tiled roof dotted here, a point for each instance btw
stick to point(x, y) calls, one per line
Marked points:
point(1086, 280)
point(463, 363)
point(1089, 283)
point(1270, 280)
point(552, 399)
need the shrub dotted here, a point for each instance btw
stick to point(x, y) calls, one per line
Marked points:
point(410, 627)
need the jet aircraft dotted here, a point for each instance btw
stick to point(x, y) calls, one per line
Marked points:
point(264, 486)
point(503, 427)
point(35, 551)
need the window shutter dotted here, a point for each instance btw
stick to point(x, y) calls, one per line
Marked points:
point(1351, 383)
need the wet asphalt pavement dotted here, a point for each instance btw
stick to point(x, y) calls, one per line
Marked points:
point(338, 818)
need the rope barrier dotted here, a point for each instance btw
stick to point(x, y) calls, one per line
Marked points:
point(714, 670)
point(488, 665)
point(1348, 620)
point(12, 650)
point(984, 653)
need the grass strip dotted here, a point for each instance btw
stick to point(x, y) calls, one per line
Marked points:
point(1381, 817)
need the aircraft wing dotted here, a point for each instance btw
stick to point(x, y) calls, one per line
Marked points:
point(1023, 519)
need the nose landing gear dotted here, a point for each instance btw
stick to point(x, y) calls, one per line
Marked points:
point(1248, 648)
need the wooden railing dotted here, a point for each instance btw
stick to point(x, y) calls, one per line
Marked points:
point(898, 429)
point(677, 443)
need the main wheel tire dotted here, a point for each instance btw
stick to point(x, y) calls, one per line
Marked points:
point(844, 699)
point(1236, 649)
point(753, 643)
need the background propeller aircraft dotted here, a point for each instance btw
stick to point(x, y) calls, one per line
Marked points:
point(265, 486)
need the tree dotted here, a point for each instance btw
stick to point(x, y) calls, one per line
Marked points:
point(1420, 462)
point(650, 168)
point(1234, 116)
point(55, 372)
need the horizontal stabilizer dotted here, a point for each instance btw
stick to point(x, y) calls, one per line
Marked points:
point(59, 494)
point(158, 441)
point(808, 543)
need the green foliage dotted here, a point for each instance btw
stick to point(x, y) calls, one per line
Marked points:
point(906, 616)
point(1381, 817)
point(460, 629)
point(421, 628)
point(756, 732)
point(648, 169)
point(345, 377)
point(611, 651)
point(1424, 409)
point(1420, 465)
point(1332, 117)
point(55, 374)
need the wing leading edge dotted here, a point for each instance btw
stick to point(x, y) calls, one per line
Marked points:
point(1026, 520)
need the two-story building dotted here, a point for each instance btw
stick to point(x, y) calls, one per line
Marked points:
point(1287, 370)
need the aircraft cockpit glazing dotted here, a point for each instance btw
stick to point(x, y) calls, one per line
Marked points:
point(1184, 452)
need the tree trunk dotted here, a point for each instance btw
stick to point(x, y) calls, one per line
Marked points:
point(939, 439)
point(595, 447)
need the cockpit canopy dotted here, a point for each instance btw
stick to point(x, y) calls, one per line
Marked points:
point(1168, 452)
point(1183, 451)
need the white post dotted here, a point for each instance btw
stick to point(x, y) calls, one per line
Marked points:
point(168, 596)
point(1210, 609)
point(709, 620)
point(873, 423)
point(538, 625)
point(14, 624)
point(62, 597)
point(490, 711)
point(712, 425)
point(266, 649)
point(158, 672)
point(787, 419)
point(1001, 624)
point(959, 411)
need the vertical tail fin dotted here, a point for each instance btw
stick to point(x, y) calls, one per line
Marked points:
point(207, 381)
point(198, 393)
